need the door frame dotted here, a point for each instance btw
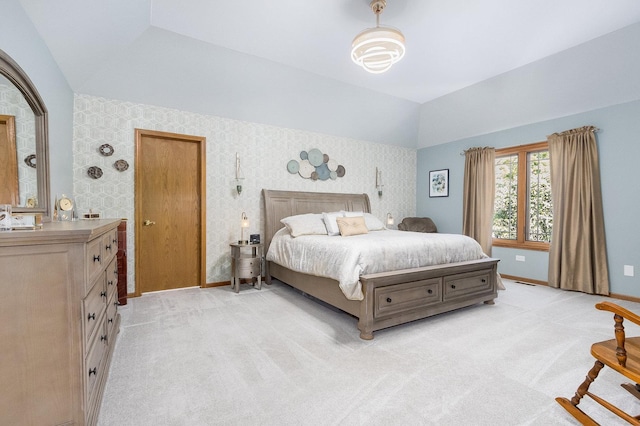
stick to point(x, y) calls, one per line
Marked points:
point(202, 160)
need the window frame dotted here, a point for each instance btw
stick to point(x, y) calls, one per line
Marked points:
point(523, 189)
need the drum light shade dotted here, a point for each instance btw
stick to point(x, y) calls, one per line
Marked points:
point(377, 49)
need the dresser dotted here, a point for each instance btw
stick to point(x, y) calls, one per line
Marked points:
point(58, 321)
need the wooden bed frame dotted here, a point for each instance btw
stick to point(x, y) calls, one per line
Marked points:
point(390, 298)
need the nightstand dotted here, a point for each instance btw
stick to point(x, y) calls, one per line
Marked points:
point(246, 262)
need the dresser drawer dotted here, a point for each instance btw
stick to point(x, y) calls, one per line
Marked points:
point(400, 298)
point(112, 311)
point(93, 307)
point(94, 260)
point(110, 244)
point(94, 365)
point(471, 283)
point(248, 267)
point(112, 278)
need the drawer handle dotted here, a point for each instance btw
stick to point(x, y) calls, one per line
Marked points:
point(103, 338)
point(114, 241)
point(91, 317)
point(103, 294)
point(93, 370)
point(430, 291)
point(453, 286)
point(110, 282)
point(388, 300)
point(483, 280)
point(96, 258)
point(110, 320)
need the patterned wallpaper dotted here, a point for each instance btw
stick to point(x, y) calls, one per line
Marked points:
point(264, 153)
point(13, 103)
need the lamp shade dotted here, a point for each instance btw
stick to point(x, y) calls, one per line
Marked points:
point(377, 49)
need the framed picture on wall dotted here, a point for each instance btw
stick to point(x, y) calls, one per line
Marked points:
point(439, 183)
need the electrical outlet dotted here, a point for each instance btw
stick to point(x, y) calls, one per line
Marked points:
point(519, 258)
point(628, 270)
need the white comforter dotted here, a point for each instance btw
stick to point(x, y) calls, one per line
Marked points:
point(344, 259)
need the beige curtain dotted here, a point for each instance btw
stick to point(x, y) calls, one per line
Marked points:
point(578, 255)
point(478, 196)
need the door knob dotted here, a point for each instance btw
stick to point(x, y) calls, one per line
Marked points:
point(148, 222)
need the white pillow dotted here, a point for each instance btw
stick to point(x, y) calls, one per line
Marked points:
point(330, 222)
point(305, 224)
point(372, 222)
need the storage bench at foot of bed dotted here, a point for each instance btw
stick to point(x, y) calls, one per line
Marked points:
point(398, 297)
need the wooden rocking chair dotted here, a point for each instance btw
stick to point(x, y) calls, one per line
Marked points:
point(621, 354)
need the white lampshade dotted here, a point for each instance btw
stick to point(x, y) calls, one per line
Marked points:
point(377, 49)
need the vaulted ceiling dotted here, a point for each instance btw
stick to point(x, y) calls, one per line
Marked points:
point(451, 44)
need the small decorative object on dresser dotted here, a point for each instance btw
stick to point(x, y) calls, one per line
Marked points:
point(246, 262)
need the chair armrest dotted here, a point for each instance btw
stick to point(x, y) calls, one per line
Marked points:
point(619, 310)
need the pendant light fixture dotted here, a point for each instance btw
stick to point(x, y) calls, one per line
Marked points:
point(377, 49)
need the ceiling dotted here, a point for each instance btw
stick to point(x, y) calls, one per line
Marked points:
point(451, 44)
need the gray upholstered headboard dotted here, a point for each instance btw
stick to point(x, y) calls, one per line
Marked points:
point(281, 204)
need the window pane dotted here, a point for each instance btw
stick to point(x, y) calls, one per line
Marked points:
point(505, 219)
point(539, 217)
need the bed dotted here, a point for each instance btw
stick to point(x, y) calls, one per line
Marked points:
point(388, 298)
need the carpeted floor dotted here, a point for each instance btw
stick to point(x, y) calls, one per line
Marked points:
point(276, 357)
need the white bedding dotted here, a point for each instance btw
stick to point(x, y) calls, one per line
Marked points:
point(344, 259)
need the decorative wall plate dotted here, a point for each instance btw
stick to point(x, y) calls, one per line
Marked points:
point(121, 165)
point(106, 150)
point(315, 157)
point(30, 160)
point(293, 166)
point(95, 172)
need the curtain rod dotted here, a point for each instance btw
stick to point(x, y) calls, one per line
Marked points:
point(595, 129)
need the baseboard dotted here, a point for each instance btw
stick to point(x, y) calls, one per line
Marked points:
point(524, 280)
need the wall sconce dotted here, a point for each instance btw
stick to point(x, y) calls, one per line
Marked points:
point(379, 182)
point(239, 176)
point(390, 220)
point(244, 224)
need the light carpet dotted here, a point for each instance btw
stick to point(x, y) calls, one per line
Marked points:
point(275, 357)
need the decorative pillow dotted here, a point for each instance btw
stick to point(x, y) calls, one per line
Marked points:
point(330, 222)
point(305, 224)
point(373, 223)
point(352, 226)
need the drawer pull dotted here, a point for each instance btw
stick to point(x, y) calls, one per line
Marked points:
point(114, 241)
point(93, 370)
point(388, 300)
point(430, 291)
point(96, 258)
point(108, 247)
point(103, 294)
point(103, 338)
point(453, 286)
point(110, 320)
point(483, 280)
point(91, 317)
point(110, 282)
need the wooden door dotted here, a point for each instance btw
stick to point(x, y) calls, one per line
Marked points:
point(9, 193)
point(170, 211)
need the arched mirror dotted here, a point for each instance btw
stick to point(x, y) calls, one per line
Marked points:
point(24, 146)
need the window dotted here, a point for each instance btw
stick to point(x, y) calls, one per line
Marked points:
point(522, 211)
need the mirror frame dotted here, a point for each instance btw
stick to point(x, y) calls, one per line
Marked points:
point(12, 71)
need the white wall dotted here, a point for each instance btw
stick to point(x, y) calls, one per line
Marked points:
point(264, 151)
point(166, 69)
point(20, 40)
point(596, 74)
